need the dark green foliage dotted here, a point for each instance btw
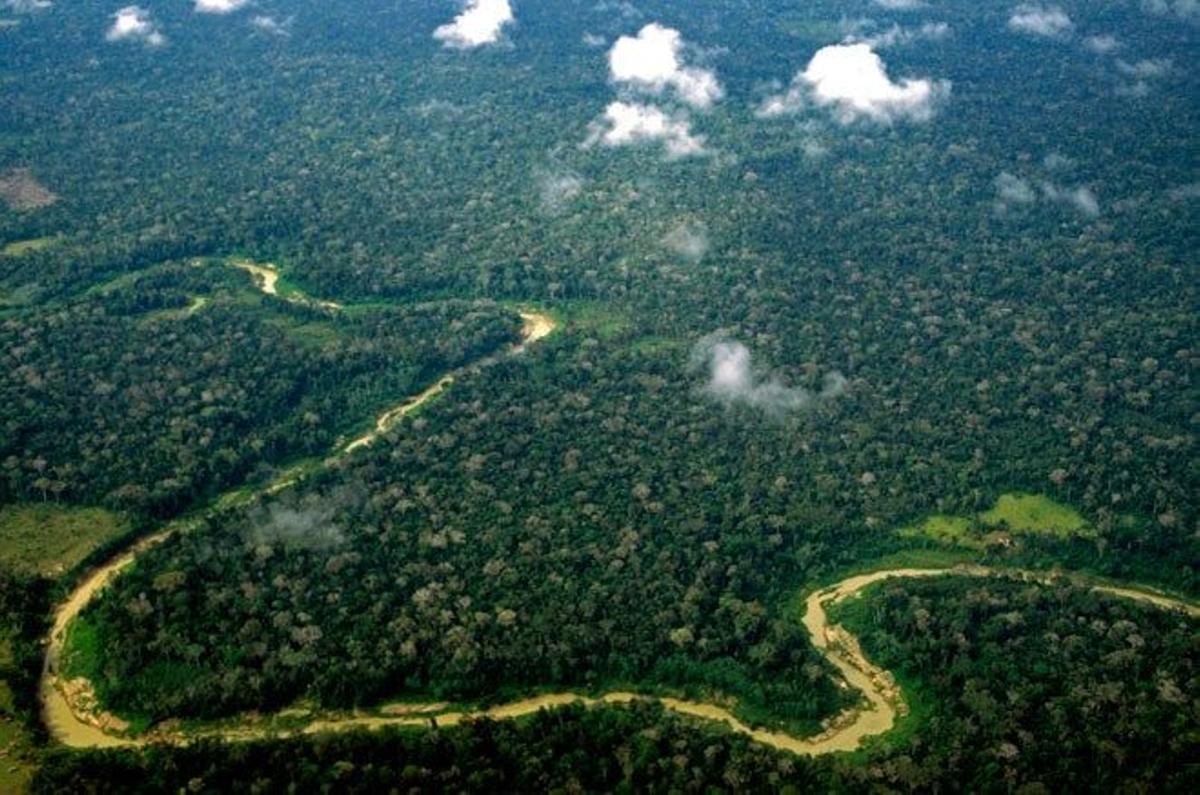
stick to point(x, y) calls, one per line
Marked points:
point(125, 398)
point(1053, 688)
point(639, 749)
point(24, 607)
point(585, 515)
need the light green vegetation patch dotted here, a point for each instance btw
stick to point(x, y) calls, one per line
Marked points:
point(1013, 514)
point(1033, 513)
point(81, 650)
point(52, 539)
point(313, 333)
point(943, 528)
point(19, 247)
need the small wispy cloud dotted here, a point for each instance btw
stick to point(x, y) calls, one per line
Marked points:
point(220, 6)
point(1183, 9)
point(1138, 77)
point(1012, 191)
point(688, 240)
point(898, 35)
point(556, 189)
point(652, 61)
point(627, 123)
point(732, 380)
point(1184, 192)
point(1039, 20)
point(272, 25)
point(1102, 44)
point(1082, 199)
point(480, 23)
point(900, 5)
point(853, 81)
point(133, 23)
point(25, 6)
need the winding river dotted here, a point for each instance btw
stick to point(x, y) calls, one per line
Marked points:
point(72, 723)
point(73, 718)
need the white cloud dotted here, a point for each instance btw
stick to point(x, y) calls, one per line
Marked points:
point(896, 35)
point(557, 189)
point(899, 5)
point(219, 6)
point(1056, 161)
point(25, 6)
point(1081, 198)
point(1149, 68)
point(733, 381)
point(627, 123)
point(651, 61)
point(688, 240)
point(1102, 44)
point(1038, 20)
point(1011, 189)
point(133, 23)
point(272, 25)
point(1184, 9)
point(1184, 192)
point(1141, 74)
point(481, 22)
point(853, 80)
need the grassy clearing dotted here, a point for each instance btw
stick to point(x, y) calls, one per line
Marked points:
point(52, 539)
point(595, 318)
point(315, 333)
point(943, 528)
point(1013, 515)
point(1031, 513)
point(20, 247)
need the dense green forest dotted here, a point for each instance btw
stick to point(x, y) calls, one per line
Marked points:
point(138, 398)
point(1020, 688)
point(790, 328)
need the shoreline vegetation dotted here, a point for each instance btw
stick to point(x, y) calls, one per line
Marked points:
point(73, 718)
point(65, 699)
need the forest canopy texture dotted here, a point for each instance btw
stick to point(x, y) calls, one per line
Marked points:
point(835, 285)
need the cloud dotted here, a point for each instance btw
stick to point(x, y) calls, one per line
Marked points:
point(219, 6)
point(481, 22)
point(132, 23)
point(1184, 192)
point(1037, 20)
point(1149, 68)
point(272, 25)
point(304, 524)
point(25, 6)
point(688, 240)
point(1102, 44)
point(853, 80)
point(1141, 74)
point(1011, 189)
point(557, 189)
point(899, 5)
point(732, 380)
point(1184, 9)
point(1080, 198)
point(627, 123)
point(897, 35)
point(650, 61)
